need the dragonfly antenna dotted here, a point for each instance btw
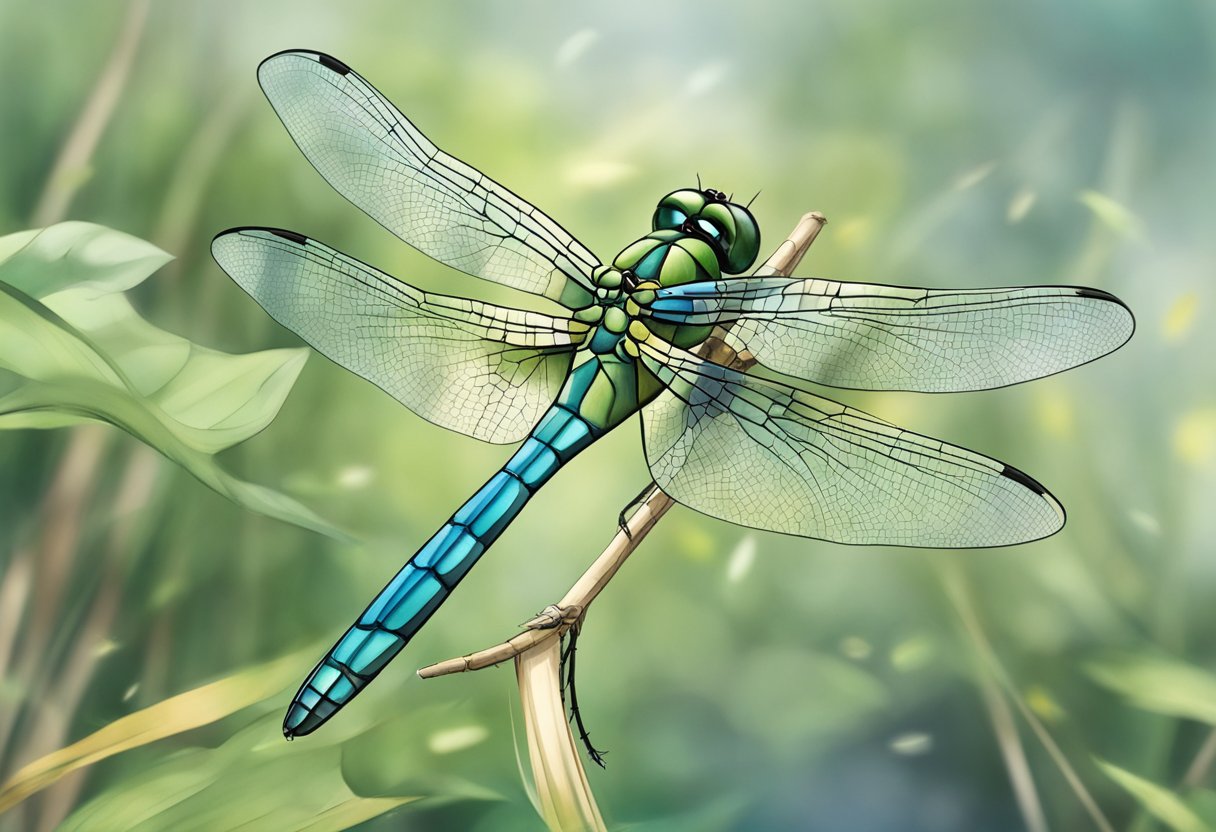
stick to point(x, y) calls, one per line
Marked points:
point(753, 199)
point(698, 181)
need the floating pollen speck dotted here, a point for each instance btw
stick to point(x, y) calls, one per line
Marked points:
point(105, 648)
point(355, 476)
point(598, 173)
point(1180, 317)
point(1020, 205)
point(451, 740)
point(1113, 214)
point(741, 559)
point(975, 176)
point(575, 46)
point(1055, 414)
point(1145, 522)
point(912, 744)
point(856, 648)
point(1195, 437)
point(705, 78)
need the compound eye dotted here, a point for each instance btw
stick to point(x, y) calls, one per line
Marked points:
point(670, 217)
point(710, 229)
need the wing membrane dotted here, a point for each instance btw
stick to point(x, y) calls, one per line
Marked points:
point(873, 337)
point(375, 157)
point(766, 455)
point(483, 370)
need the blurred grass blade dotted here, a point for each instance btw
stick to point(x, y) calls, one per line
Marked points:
point(1159, 684)
point(351, 813)
point(184, 712)
point(239, 785)
point(1161, 803)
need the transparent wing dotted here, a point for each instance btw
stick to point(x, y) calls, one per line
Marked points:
point(381, 162)
point(873, 337)
point(485, 371)
point(766, 455)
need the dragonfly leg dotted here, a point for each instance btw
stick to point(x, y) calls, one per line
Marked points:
point(622, 519)
point(566, 674)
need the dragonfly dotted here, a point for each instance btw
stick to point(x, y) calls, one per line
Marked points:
point(747, 440)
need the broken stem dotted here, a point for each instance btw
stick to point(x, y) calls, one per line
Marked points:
point(566, 801)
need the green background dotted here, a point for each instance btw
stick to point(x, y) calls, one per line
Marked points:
point(740, 680)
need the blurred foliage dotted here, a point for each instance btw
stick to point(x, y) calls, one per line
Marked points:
point(85, 353)
point(802, 686)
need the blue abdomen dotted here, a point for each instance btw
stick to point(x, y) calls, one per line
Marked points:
point(429, 577)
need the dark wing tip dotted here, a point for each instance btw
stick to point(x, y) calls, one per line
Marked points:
point(295, 237)
point(327, 61)
point(298, 239)
point(1099, 294)
point(1026, 481)
point(330, 62)
point(1022, 478)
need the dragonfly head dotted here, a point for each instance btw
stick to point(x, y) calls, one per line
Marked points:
point(727, 227)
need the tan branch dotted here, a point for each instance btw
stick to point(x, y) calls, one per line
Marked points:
point(566, 801)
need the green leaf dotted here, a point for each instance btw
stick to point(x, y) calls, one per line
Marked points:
point(91, 258)
point(1160, 802)
point(219, 399)
point(1159, 684)
point(85, 354)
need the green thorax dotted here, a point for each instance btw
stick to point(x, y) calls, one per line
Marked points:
point(663, 258)
point(669, 258)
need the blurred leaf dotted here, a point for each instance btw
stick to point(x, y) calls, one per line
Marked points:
point(186, 711)
point(254, 781)
point(150, 424)
point(91, 258)
point(1159, 684)
point(1161, 803)
point(86, 354)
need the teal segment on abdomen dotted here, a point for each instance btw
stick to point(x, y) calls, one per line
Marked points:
point(534, 463)
point(575, 435)
point(459, 547)
point(402, 584)
point(378, 648)
point(497, 501)
point(400, 618)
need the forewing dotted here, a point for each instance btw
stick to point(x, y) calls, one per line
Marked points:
point(375, 157)
point(874, 337)
point(485, 371)
point(766, 455)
